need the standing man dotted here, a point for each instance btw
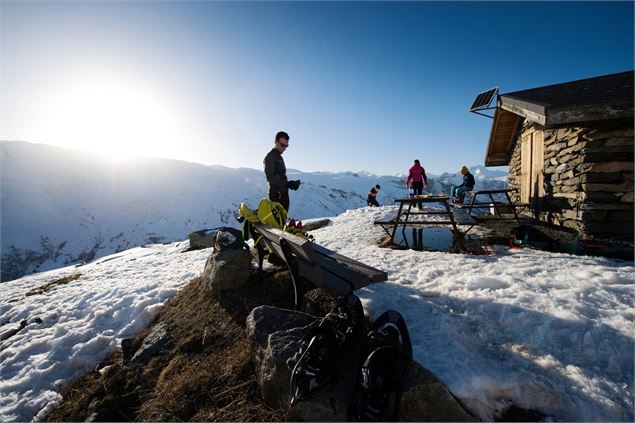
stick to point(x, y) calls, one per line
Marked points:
point(276, 171)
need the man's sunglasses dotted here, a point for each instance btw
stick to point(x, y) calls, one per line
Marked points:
point(283, 145)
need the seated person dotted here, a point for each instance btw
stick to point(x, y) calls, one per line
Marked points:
point(467, 185)
point(371, 200)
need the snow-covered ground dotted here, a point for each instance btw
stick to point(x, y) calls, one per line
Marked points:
point(83, 321)
point(544, 331)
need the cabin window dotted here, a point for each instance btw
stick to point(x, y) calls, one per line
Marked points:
point(532, 167)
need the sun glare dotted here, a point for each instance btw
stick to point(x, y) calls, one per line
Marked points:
point(113, 115)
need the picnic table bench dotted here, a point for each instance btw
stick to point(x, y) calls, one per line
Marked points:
point(404, 214)
point(309, 262)
point(496, 205)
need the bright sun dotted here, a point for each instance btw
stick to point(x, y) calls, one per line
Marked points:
point(113, 115)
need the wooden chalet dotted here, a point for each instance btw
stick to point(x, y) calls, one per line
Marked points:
point(569, 148)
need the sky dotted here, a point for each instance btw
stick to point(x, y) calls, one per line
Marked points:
point(357, 85)
point(550, 332)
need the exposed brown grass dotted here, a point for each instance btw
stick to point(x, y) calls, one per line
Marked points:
point(47, 287)
point(205, 374)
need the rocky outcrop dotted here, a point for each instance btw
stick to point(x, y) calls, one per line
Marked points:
point(226, 270)
point(274, 335)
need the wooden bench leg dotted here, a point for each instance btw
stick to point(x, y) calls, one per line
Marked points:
point(259, 248)
point(511, 204)
point(293, 269)
point(394, 228)
point(469, 212)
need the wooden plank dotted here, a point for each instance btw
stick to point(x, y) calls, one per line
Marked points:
point(428, 212)
point(537, 164)
point(525, 169)
point(423, 198)
point(330, 282)
point(273, 246)
point(369, 272)
point(439, 222)
point(355, 279)
point(472, 206)
point(313, 273)
point(273, 235)
point(461, 217)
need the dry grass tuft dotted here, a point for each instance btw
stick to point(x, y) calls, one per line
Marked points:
point(47, 287)
point(205, 374)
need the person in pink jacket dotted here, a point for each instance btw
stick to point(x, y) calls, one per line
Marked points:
point(417, 179)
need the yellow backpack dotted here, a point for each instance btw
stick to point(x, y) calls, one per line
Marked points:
point(272, 213)
point(269, 212)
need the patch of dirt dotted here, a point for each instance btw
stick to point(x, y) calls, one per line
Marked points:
point(49, 286)
point(205, 374)
point(12, 332)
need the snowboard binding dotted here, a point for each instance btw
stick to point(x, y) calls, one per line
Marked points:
point(389, 351)
point(322, 346)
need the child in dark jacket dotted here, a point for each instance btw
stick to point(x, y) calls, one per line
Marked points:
point(371, 200)
point(467, 185)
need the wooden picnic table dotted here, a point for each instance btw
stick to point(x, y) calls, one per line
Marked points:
point(405, 212)
point(509, 204)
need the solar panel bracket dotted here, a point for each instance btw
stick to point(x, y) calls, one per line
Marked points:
point(483, 101)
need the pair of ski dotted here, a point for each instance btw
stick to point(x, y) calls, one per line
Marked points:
point(385, 349)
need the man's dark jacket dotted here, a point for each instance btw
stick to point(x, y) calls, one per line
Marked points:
point(276, 173)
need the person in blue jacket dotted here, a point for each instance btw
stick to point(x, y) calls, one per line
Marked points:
point(467, 185)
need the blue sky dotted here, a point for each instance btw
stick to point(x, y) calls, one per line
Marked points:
point(358, 85)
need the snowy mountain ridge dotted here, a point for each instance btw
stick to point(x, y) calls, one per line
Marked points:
point(61, 206)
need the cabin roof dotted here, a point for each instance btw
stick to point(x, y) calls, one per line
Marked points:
point(608, 97)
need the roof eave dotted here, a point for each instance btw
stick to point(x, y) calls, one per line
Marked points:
point(558, 117)
point(534, 112)
point(501, 156)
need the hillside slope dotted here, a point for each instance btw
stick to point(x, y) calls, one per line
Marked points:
point(62, 206)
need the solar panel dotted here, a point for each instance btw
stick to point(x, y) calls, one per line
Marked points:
point(484, 99)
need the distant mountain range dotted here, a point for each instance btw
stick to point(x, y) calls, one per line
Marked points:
point(62, 207)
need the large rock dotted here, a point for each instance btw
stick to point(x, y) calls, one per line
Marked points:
point(274, 335)
point(153, 344)
point(202, 239)
point(226, 269)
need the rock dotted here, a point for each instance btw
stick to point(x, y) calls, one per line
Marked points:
point(315, 224)
point(206, 238)
point(274, 335)
point(425, 399)
point(202, 239)
point(227, 269)
point(155, 342)
point(127, 349)
point(266, 320)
